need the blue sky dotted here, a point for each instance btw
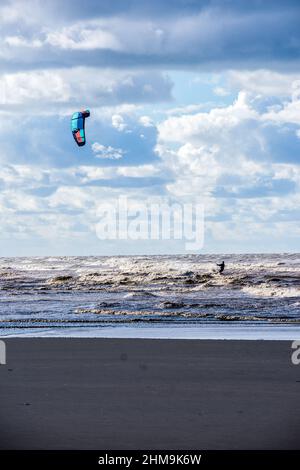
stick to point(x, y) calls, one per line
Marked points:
point(189, 100)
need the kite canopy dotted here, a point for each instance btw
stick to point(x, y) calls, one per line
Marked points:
point(78, 126)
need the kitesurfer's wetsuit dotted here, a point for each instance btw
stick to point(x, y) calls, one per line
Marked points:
point(222, 267)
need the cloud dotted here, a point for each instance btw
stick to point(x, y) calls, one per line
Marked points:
point(240, 161)
point(48, 141)
point(139, 171)
point(146, 121)
point(118, 122)
point(50, 91)
point(231, 139)
point(32, 88)
point(220, 91)
point(215, 34)
point(188, 109)
point(79, 37)
point(204, 125)
point(289, 111)
point(263, 82)
point(21, 41)
point(109, 152)
point(242, 129)
point(259, 188)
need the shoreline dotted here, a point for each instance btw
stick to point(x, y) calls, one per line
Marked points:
point(189, 332)
point(137, 394)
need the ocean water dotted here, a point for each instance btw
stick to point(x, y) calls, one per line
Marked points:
point(58, 294)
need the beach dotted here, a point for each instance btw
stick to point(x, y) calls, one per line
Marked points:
point(79, 393)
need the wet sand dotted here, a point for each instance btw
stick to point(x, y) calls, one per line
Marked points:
point(149, 394)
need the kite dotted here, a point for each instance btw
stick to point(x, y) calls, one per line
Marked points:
point(78, 126)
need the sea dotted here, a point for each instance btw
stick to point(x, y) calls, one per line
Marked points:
point(257, 296)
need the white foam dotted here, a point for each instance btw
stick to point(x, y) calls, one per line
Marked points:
point(192, 332)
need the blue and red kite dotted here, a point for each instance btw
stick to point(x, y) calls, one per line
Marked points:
point(78, 126)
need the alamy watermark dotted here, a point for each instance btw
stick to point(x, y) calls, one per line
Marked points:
point(2, 353)
point(154, 219)
point(295, 358)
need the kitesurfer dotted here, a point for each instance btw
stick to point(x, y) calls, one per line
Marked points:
point(221, 266)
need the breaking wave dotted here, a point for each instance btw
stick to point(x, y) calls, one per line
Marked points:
point(100, 290)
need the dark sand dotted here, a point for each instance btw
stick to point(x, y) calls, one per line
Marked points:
point(149, 394)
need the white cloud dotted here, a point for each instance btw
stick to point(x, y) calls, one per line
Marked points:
point(222, 157)
point(33, 87)
point(92, 173)
point(146, 121)
point(83, 37)
point(188, 109)
point(140, 171)
point(118, 122)
point(289, 112)
point(264, 82)
point(109, 152)
point(44, 90)
point(14, 11)
point(71, 197)
point(18, 201)
point(204, 125)
point(209, 154)
point(190, 36)
point(220, 91)
point(21, 41)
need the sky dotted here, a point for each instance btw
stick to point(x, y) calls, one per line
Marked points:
point(190, 101)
